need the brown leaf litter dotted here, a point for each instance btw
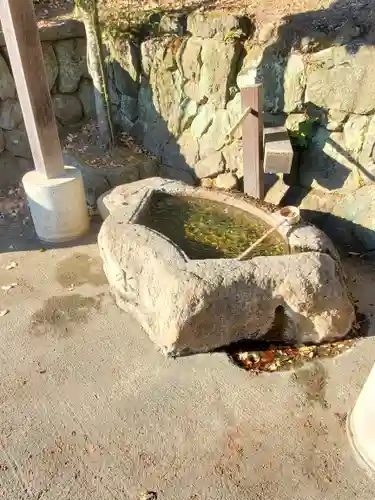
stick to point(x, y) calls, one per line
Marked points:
point(85, 144)
point(273, 358)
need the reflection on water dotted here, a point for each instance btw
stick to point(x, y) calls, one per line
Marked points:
point(204, 229)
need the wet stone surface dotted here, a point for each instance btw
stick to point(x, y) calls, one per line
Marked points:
point(205, 229)
point(80, 269)
point(60, 315)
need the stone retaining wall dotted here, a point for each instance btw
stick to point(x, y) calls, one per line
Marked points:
point(175, 86)
point(71, 90)
point(178, 92)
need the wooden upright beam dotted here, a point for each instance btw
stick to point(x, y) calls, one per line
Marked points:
point(252, 139)
point(26, 57)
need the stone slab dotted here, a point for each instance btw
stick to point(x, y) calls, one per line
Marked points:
point(352, 220)
point(278, 151)
point(57, 30)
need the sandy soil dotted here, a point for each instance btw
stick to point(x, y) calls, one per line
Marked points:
point(263, 10)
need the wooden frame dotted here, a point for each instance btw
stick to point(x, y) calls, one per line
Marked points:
point(26, 58)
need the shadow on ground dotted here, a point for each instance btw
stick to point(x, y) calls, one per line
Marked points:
point(347, 235)
point(18, 234)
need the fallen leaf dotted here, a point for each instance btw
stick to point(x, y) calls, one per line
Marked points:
point(273, 367)
point(291, 351)
point(149, 495)
point(243, 355)
point(306, 349)
point(247, 363)
point(254, 356)
point(6, 288)
point(268, 356)
point(10, 266)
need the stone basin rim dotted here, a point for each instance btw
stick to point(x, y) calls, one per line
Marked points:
point(203, 194)
point(190, 305)
point(135, 208)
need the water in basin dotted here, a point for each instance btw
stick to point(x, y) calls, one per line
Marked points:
point(204, 229)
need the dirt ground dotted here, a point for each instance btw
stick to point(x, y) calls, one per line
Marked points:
point(263, 10)
point(89, 409)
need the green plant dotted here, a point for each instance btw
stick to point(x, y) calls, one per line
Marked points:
point(301, 138)
point(233, 35)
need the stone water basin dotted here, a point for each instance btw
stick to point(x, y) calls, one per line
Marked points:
point(169, 251)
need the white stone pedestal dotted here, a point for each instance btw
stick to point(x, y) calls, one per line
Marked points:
point(58, 206)
point(361, 425)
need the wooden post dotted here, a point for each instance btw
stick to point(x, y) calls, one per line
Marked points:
point(252, 140)
point(26, 57)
